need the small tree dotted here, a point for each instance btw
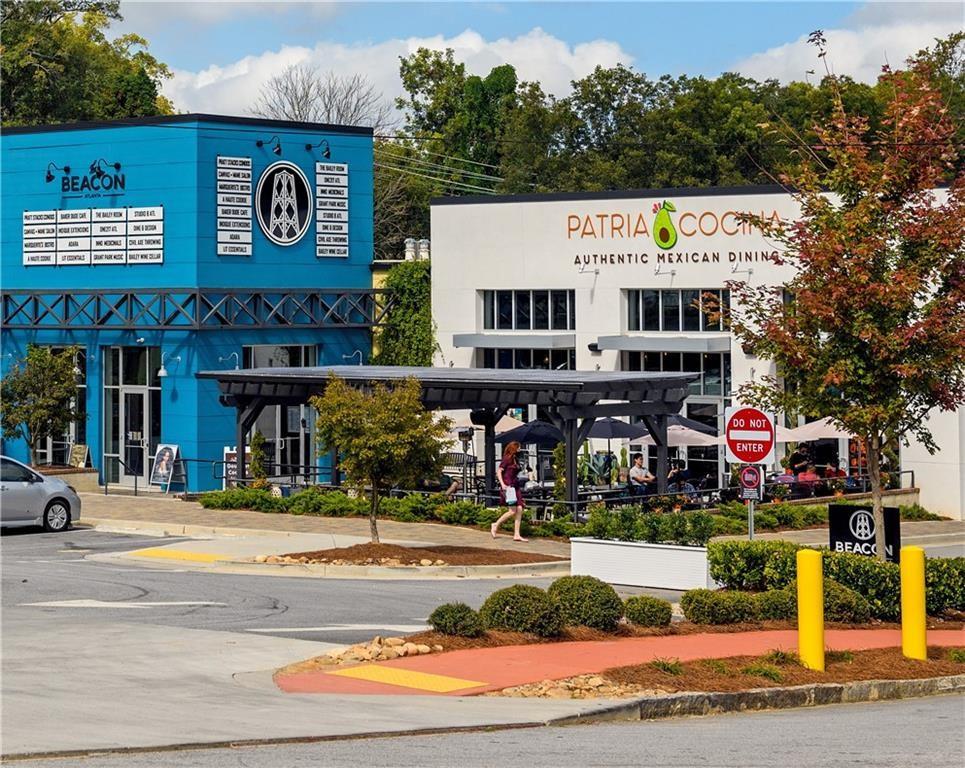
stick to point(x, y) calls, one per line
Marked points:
point(37, 396)
point(384, 436)
point(871, 331)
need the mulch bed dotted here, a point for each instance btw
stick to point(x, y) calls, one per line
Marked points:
point(375, 554)
point(728, 674)
point(495, 639)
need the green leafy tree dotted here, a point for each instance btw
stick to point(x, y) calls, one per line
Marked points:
point(874, 335)
point(37, 397)
point(407, 336)
point(58, 66)
point(384, 436)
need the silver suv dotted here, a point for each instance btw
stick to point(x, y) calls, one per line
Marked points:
point(30, 498)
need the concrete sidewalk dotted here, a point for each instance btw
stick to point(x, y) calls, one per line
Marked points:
point(160, 513)
point(492, 669)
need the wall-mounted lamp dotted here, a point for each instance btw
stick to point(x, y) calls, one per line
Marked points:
point(228, 357)
point(273, 140)
point(97, 167)
point(162, 372)
point(49, 177)
point(139, 340)
point(661, 271)
point(352, 356)
point(326, 153)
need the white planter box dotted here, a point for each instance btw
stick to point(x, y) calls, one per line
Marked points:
point(637, 564)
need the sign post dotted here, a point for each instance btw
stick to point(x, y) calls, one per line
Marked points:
point(749, 439)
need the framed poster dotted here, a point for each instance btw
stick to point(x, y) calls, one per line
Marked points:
point(162, 470)
point(79, 456)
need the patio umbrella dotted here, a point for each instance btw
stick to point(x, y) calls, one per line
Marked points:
point(609, 429)
point(678, 436)
point(676, 420)
point(823, 429)
point(540, 433)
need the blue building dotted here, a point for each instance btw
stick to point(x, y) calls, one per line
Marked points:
point(165, 246)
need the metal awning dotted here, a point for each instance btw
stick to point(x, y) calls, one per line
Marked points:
point(515, 340)
point(667, 343)
point(573, 400)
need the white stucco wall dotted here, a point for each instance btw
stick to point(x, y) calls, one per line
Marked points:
point(576, 244)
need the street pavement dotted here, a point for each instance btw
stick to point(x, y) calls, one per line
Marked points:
point(894, 734)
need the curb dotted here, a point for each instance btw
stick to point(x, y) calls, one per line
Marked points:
point(110, 525)
point(402, 572)
point(811, 695)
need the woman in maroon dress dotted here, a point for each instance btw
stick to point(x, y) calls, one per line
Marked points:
point(508, 474)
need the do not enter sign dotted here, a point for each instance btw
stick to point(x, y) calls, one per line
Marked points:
point(749, 435)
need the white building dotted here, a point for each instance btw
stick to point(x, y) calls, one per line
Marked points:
point(607, 281)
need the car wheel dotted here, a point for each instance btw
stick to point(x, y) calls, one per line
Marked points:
point(57, 516)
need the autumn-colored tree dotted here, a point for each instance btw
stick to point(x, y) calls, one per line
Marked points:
point(384, 436)
point(871, 330)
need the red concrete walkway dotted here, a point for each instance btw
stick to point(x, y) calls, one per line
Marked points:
point(464, 673)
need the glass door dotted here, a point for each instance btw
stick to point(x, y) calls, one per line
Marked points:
point(134, 444)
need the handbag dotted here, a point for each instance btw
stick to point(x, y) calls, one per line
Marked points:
point(510, 496)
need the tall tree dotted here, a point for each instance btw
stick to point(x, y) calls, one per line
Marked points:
point(385, 437)
point(874, 335)
point(58, 66)
point(37, 397)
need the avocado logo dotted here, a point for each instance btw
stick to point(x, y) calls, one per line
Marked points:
point(664, 233)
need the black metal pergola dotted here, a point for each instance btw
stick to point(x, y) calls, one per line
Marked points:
point(572, 399)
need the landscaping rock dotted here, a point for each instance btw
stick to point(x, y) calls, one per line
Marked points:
point(397, 641)
point(261, 558)
point(425, 562)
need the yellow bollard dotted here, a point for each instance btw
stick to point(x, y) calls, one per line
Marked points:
point(913, 642)
point(810, 609)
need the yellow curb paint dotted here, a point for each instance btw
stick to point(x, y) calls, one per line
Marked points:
point(406, 678)
point(179, 554)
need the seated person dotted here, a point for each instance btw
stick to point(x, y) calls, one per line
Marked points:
point(786, 477)
point(678, 472)
point(442, 484)
point(641, 481)
point(832, 471)
point(809, 475)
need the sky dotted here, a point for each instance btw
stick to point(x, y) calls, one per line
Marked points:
point(222, 51)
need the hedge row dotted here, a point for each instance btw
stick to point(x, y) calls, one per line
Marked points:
point(766, 565)
point(731, 519)
point(569, 601)
point(637, 524)
point(705, 606)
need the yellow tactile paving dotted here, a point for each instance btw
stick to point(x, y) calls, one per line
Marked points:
point(179, 554)
point(406, 678)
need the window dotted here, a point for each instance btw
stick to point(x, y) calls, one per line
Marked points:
point(672, 310)
point(529, 310)
point(713, 367)
point(527, 359)
point(11, 472)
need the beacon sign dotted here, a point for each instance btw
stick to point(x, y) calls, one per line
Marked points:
point(852, 529)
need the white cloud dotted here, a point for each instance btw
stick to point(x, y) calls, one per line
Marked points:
point(232, 89)
point(877, 33)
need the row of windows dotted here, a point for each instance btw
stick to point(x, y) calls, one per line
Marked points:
point(673, 310)
point(713, 367)
point(528, 359)
point(529, 310)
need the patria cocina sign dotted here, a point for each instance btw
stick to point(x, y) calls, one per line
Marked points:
point(670, 232)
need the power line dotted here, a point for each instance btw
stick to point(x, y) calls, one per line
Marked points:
point(461, 186)
point(429, 164)
point(439, 154)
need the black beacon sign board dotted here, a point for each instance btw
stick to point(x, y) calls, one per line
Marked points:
point(852, 529)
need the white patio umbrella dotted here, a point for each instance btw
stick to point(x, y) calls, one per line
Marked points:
point(823, 429)
point(462, 421)
point(678, 436)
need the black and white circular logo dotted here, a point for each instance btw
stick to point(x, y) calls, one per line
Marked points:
point(283, 202)
point(862, 525)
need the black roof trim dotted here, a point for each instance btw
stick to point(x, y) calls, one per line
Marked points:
point(612, 194)
point(189, 117)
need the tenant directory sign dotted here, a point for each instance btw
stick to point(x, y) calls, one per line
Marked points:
point(234, 206)
point(331, 209)
point(93, 236)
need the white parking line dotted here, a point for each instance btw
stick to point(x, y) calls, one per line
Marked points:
point(346, 628)
point(108, 604)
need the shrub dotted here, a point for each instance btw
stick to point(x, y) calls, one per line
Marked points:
point(780, 567)
point(957, 655)
point(704, 606)
point(944, 584)
point(622, 524)
point(738, 564)
point(456, 619)
point(598, 523)
point(235, 498)
point(459, 513)
point(727, 526)
point(879, 583)
point(776, 605)
point(674, 528)
point(838, 657)
point(701, 528)
point(917, 512)
point(781, 658)
point(587, 601)
point(841, 604)
point(647, 611)
point(649, 528)
point(522, 608)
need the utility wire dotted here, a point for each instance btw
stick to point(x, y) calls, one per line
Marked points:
point(461, 186)
point(439, 154)
point(429, 164)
